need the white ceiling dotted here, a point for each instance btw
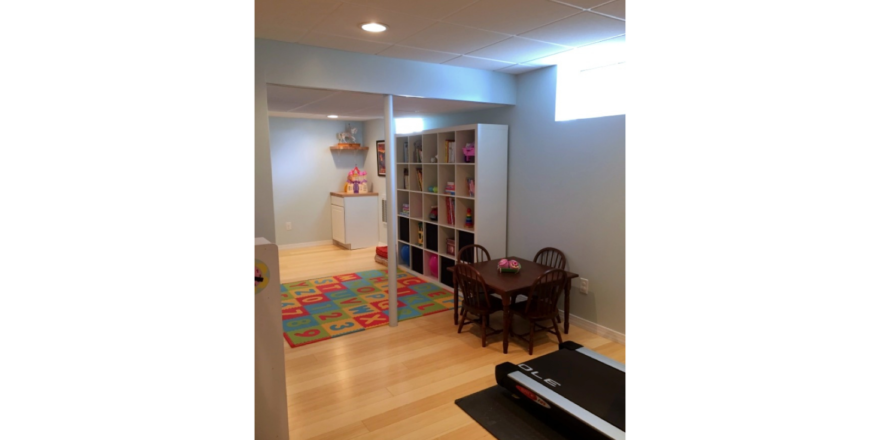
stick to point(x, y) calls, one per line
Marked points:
point(296, 102)
point(511, 36)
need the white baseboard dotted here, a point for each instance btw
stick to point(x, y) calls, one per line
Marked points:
point(303, 245)
point(592, 327)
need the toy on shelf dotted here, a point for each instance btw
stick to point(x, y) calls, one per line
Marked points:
point(433, 214)
point(471, 189)
point(421, 243)
point(356, 182)
point(346, 138)
point(508, 266)
point(432, 189)
point(450, 188)
point(405, 211)
point(468, 152)
point(404, 254)
point(469, 219)
point(432, 265)
point(450, 246)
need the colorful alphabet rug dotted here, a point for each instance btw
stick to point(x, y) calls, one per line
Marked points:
point(325, 308)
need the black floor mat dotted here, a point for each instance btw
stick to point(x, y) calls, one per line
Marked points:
point(496, 410)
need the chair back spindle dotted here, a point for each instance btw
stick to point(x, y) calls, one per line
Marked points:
point(545, 295)
point(551, 257)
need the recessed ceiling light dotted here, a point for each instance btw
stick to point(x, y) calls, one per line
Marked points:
point(332, 116)
point(373, 27)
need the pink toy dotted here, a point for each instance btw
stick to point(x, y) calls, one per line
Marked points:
point(508, 266)
point(468, 152)
point(432, 265)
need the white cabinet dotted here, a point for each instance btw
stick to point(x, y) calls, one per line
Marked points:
point(354, 219)
point(437, 225)
point(337, 215)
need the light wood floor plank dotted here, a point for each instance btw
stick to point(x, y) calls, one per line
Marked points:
point(396, 383)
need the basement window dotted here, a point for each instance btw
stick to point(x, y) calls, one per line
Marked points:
point(408, 125)
point(591, 81)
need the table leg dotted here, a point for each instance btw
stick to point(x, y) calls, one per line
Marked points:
point(567, 303)
point(505, 299)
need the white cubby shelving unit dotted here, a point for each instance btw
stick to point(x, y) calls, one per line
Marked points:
point(488, 203)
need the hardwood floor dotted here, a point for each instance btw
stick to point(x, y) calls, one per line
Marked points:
point(396, 383)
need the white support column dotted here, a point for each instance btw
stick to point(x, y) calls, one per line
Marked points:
point(391, 206)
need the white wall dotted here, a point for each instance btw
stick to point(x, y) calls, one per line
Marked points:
point(566, 189)
point(305, 171)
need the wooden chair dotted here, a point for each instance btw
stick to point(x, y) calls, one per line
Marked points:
point(550, 257)
point(472, 253)
point(476, 299)
point(554, 258)
point(541, 305)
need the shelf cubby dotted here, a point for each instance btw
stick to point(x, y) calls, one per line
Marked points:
point(443, 211)
point(414, 177)
point(401, 147)
point(429, 148)
point(429, 201)
point(463, 172)
point(415, 257)
point(465, 238)
point(462, 138)
point(426, 264)
point(461, 207)
point(415, 205)
point(403, 176)
point(430, 176)
point(402, 199)
point(414, 233)
point(446, 275)
point(403, 229)
point(446, 234)
point(442, 139)
point(431, 237)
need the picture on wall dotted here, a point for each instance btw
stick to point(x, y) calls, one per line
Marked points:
point(380, 157)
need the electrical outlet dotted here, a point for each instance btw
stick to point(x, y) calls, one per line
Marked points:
point(585, 285)
point(287, 226)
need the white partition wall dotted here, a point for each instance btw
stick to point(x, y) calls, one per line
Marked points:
point(271, 390)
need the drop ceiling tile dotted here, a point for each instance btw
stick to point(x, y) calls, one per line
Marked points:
point(516, 69)
point(585, 4)
point(431, 9)
point(445, 37)
point(342, 43)
point(518, 50)
point(278, 33)
point(579, 30)
point(511, 16)
point(478, 63)
point(411, 53)
point(615, 8)
point(304, 14)
point(345, 21)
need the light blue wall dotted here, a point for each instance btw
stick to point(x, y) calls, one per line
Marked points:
point(305, 171)
point(566, 189)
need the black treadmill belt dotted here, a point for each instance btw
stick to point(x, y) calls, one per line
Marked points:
point(589, 383)
point(497, 411)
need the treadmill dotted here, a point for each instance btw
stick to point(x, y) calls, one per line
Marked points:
point(576, 390)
